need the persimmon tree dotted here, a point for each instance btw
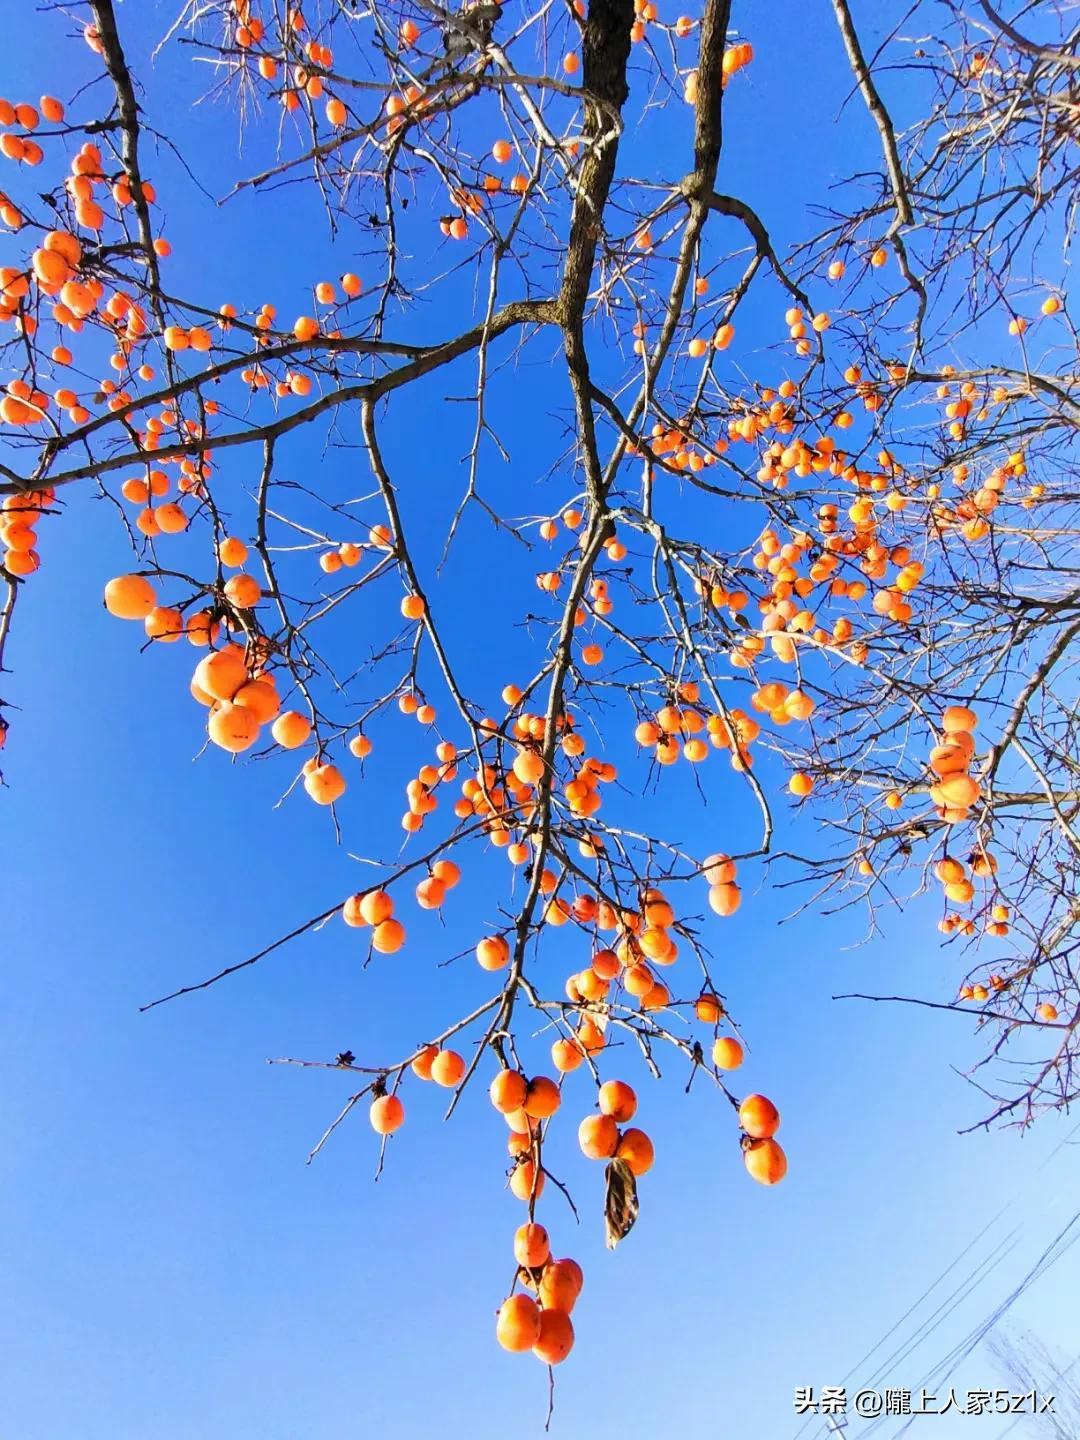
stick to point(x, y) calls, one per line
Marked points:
point(832, 569)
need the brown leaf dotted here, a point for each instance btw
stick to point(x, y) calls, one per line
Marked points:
point(620, 1201)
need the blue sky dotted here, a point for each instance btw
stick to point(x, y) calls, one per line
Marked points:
point(171, 1267)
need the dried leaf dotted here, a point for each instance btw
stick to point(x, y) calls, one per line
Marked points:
point(620, 1202)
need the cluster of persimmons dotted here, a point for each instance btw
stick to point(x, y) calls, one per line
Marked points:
point(537, 1317)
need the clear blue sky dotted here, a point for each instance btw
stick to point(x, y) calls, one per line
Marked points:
point(170, 1266)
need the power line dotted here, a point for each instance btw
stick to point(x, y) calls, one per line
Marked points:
point(962, 1291)
point(982, 1272)
point(961, 1351)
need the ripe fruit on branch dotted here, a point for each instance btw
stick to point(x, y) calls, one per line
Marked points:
point(759, 1117)
point(518, 1325)
point(727, 1053)
point(598, 1136)
point(130, 597)
point(765, 1161)
point(387, 1114)
point(618, 1100)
